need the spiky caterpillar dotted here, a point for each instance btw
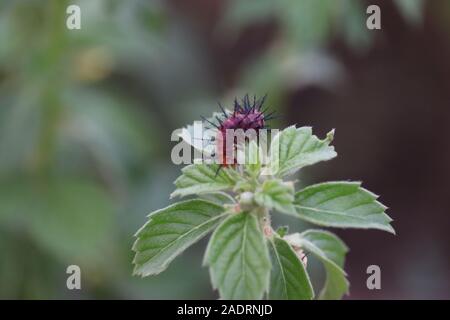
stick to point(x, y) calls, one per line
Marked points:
point(247, 115)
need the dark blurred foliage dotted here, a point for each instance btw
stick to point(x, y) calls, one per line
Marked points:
point(86, 117)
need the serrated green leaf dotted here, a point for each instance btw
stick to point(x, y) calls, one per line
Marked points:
point(238, 258)
point(331, 251)
point(218, 197)
point(203, 178)
point(295, 148)
point(243, 185)
point(170, 231)
point(276, 194)
point(343, 205)
point(288, 277)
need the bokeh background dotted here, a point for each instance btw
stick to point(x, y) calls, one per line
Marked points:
point(86, 117)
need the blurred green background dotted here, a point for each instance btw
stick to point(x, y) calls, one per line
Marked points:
point(86, 117)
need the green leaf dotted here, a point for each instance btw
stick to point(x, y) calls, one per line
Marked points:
point(218, 197)
point(202, 178)
point(238, 258)
point(170, 231)
point(288, 278)
point(295, 148)
point(331, 251)
point(343, 205)
point(276, 194)
point(282, 231)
